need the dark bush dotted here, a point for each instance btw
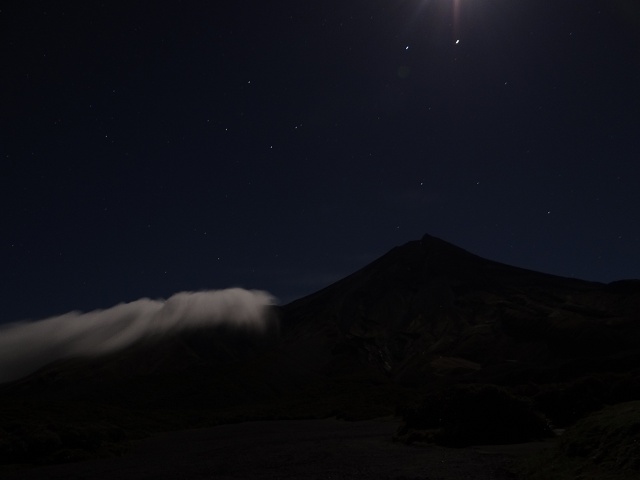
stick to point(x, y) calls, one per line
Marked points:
point(28, 441)
point(609, 437)
point(56, 442)
point(604, 445)
point(566, 403)
point(473, 415)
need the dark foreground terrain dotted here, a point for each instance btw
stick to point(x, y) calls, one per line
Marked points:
point(292, 449)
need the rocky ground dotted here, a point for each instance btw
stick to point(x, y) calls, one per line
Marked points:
point(296, 449)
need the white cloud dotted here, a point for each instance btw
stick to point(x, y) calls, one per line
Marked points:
point(27, 346)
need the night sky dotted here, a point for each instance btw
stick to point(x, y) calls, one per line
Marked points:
point(149, 148)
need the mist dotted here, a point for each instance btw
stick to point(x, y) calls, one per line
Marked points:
point(27, 346)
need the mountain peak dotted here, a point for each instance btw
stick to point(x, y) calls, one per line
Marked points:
point(426, 239)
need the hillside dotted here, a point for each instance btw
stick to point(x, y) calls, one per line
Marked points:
point(422, 318)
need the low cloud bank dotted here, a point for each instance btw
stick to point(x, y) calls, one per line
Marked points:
point(27, 346)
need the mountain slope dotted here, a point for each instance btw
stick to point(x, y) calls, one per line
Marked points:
point(430, 307)
point(422, 317)
point(424, 311)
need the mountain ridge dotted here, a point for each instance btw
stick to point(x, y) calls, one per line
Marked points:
point(426, 296)
point(425, 316)
point(432, 296)
point(432, 279)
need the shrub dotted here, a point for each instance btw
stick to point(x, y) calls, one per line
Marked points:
point(474, 415)
point(604, 446)
point(610, 438)
point(564, 404)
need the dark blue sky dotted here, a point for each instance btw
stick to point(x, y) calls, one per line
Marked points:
point(154, 147)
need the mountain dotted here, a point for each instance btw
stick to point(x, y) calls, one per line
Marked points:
point(425, 316)
point(429, 307)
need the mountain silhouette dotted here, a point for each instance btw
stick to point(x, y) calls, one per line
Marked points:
point(429, 307)
point(424, 316)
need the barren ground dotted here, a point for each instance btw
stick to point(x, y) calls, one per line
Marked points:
point(296, 449)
